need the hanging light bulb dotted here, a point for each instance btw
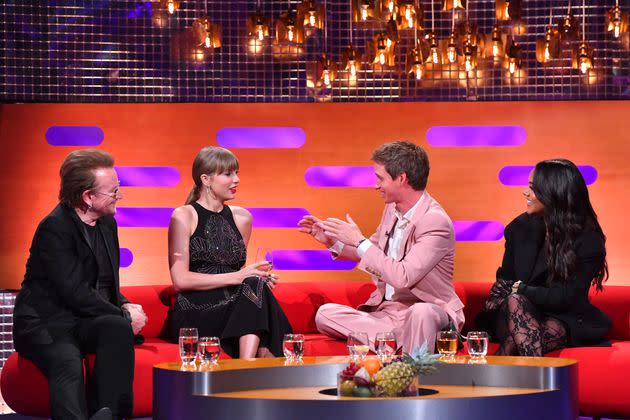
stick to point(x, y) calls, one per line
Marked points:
point(257, 32)
point(496, 40)
point(568, 28)
point(311, 14)
point(383, 54)
point(363, 10)
point(453, 4)
point(289, 28)
point(451, 48)
point(616, 21)
point(406, 16)
point(514, 58)
point(548, 47)
point(171, 5)
point(583, 58)
point(206, 33)
point(434, 52)
point(470, 56)
point(351, 62)
point(415, 63)
point(391, 6)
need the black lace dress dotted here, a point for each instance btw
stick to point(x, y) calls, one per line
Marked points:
point(228, 312)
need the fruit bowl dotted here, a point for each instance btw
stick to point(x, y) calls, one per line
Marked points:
point(398, 378)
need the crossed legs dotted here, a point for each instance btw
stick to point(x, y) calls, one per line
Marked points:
point(523, 330)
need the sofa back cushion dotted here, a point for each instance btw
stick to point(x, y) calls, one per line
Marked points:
point(614, 301)
point(155, 300)
point(300, 300)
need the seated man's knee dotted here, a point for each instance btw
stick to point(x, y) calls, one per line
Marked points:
point(112, 327)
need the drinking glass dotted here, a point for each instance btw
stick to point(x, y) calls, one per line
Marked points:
point(209, 350)
point(293, 346)
point(447, 344)
point(477, 344)
point(358, 345)
point(265, 254)
point(385, 344)
point(188, 339)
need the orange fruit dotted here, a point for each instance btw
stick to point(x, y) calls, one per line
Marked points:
point(372, 365)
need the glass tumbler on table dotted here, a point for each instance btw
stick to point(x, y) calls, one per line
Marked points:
point(293, 346)
point(358, 345)
point(385, 344)
point(209, 350)
point(477, 344)
point(188, 339)
point(447, 344)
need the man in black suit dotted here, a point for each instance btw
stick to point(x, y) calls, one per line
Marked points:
point(70, 302)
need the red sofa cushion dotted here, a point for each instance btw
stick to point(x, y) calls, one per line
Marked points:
point(615, 302)
point(301, 300)
point(24, 386)
point(602, 378)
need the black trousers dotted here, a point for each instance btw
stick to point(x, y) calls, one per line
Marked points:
point(110, 338)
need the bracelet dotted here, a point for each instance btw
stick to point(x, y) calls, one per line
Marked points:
point(360, 242)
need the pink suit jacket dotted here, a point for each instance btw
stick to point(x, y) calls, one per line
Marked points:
point(425, 261)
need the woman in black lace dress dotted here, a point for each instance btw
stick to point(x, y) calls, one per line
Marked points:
point(554, 253)
point(217, 293)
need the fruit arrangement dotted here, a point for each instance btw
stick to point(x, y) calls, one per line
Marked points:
point(370, 378)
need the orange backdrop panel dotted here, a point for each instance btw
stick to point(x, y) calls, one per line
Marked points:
point(464, 179)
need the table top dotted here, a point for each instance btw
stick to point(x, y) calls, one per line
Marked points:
point(236, 364)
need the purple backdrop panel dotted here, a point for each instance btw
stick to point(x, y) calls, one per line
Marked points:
point(476, 135)
point(143, 216)
point(62, 135)
point(147, 176)
point(290, 259)
point(126, 257)
point(477, 230)
point(266, 217)
point(261, 137)
point(340, 176)
point(519, 175)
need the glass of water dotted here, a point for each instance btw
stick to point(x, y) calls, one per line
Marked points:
point(358, 345)
point(477, 344)
point(209, 350)
point(385, 344)
point(188, 339)
point(293, 346)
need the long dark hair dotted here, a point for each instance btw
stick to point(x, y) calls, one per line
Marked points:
point(560, 187)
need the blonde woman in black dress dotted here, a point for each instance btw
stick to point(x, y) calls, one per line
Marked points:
point(217, 293)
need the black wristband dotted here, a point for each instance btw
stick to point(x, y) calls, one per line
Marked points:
point(360, 242)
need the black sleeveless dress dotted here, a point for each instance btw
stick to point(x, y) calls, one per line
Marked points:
point(229, 312)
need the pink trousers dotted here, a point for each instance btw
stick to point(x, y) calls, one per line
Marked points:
point(412, 323)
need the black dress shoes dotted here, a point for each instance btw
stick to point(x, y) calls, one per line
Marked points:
point(103, 414)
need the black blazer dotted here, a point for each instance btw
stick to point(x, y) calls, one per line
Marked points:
point(525, 260)
point(59, 286)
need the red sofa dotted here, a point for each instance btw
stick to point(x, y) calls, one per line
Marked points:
point(601, 370)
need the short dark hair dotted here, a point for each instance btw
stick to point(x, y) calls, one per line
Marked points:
point(404, 157)
point(77, 174)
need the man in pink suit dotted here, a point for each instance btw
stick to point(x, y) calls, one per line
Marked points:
point(410, 257)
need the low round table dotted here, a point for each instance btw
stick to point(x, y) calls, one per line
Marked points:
point(511, 388)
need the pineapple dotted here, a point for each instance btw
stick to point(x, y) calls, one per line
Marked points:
point(394, 378)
